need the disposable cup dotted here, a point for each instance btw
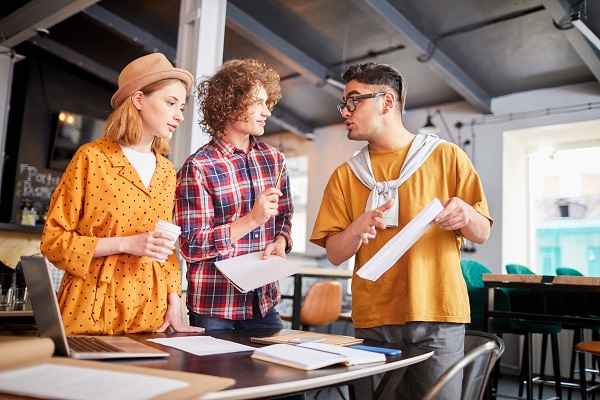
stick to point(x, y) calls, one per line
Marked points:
point(169, 228)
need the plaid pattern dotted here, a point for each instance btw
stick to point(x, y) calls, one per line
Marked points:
point(217, 185)
point(56, 275)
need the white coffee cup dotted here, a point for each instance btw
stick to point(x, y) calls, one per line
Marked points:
point(169, 228)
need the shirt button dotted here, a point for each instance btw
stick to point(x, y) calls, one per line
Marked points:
point(256, 235)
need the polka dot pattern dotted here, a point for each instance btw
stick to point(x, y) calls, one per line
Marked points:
point(101, 195)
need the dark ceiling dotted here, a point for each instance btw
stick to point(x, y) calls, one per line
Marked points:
point(472, 50)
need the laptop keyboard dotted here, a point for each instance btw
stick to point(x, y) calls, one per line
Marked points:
point(89, 344)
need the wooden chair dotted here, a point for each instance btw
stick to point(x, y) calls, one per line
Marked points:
point(321, 306)
point(592, 347)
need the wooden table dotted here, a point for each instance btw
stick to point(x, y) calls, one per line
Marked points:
point(307, 272)
point(260, 379)
point(542, 283)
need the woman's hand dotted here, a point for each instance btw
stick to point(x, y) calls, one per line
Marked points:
point(174, 317)
point(157, 245)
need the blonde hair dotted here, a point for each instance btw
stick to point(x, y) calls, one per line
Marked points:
point(125, 123)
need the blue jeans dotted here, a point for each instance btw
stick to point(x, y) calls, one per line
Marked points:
point(271, 320)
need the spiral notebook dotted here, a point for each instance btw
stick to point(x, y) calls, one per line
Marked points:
point(310, 356)
point(339, 340)
point(250, 271)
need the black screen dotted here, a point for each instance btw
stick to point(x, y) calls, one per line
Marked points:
point(72, 130)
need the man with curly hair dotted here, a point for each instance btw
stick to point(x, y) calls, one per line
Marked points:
point(227, 202)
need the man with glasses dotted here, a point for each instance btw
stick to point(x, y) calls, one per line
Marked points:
point(422, 299)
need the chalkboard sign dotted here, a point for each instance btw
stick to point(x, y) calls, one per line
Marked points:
point(33, 189)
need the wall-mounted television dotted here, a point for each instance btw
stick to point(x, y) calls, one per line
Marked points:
point(72, 130)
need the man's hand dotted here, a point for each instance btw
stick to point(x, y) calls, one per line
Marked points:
point(341, 246)
point(455, 215)
point(365, 226)
point(458, 215)
point(265, 206)
point(277, 248)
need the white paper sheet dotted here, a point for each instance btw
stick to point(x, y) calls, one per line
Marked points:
point(51, 381)
point(250, 271)
point(202, 345)
point(391, 252)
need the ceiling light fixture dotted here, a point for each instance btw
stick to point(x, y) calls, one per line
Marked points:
point(430, 129)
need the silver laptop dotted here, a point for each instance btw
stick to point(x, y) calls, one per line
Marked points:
point(49, 322)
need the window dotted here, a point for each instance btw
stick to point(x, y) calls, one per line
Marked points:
point(298, 171)
point(565, 200)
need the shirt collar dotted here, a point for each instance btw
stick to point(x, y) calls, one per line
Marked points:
point(228, 149)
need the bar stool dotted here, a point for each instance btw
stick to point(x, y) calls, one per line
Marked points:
point(578, 304)
point(534, 302)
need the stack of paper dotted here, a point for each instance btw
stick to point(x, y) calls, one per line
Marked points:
point(250, 271)
point(309, 356)
point(391, 252)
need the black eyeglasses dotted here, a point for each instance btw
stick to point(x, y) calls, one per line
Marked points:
point(351, 101)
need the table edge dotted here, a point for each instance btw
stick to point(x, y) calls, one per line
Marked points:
point(312, 383)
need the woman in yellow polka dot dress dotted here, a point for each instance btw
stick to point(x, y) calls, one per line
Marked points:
point(120, 275)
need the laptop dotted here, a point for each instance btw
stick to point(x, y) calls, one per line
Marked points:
point(49, 322)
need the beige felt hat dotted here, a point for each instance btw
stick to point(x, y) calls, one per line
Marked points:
point(146, 70)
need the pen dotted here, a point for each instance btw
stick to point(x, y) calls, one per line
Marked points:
point(280, 174)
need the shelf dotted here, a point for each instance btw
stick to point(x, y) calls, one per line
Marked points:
point(21, 228)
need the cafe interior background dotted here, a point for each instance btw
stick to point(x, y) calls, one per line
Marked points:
point(514, 84)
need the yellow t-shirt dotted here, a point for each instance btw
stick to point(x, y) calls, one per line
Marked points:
point(426, 283)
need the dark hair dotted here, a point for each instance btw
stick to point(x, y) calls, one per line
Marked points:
point(378, 74)
point(228, 95)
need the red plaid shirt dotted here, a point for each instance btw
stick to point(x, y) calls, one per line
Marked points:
point(216, 186)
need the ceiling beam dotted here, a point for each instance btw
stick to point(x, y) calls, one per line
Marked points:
point(440, 63)
point(560, 12)
point(131, 32)
point(152, 44)
point(280, 116)
point(248, 27)
point(77, 59)
point(291, 123)
point(37, 14)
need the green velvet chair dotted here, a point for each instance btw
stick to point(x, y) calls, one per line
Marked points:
point(472, 272)
point(566, 271)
